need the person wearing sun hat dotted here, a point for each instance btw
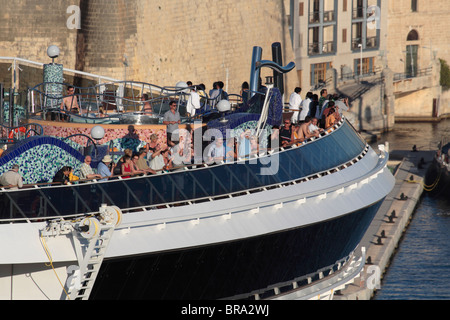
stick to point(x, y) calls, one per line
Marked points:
point(104, 169)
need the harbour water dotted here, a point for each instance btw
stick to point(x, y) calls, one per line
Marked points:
point(419, 269)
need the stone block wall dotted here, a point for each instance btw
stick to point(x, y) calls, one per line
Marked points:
point(163, 42)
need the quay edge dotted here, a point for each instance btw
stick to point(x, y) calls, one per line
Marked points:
point(380, 250)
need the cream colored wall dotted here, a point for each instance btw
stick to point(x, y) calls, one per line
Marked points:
point(165, 41)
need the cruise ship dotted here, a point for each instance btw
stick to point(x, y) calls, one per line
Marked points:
point(280, 224)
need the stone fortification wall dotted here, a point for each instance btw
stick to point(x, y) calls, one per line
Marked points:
point(163, 41)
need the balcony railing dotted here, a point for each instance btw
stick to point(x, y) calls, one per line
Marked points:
point(415, 74)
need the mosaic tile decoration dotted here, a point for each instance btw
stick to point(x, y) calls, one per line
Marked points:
point(39, 158)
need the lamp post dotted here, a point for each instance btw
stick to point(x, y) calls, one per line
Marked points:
point(360, 60)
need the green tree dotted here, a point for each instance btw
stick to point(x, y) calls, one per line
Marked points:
point(445, 75)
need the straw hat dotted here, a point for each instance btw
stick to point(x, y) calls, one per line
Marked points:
point(107, 158)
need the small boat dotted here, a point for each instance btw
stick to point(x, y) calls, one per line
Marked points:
point(437, 178)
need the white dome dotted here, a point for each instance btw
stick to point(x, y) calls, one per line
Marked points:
point(97, 133)
point(224, 106)
point(53, 51)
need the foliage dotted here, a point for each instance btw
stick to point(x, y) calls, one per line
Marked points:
point(445, 75)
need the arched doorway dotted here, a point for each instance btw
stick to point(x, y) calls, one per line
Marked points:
point(411, 54)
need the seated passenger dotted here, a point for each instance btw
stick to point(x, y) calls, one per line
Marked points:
point(72, 177)
point(141, 163)
point(86, 171)
point(216, 152)
point(127, 167)
point(304, 131)
point(230, 150)
point(106, 168)
point(62, 176)
point(285, 134)
point(180, 154)
point(245, 148)
point(330, 120)
point(313, 127)
point(147, 107)
point(296, 138)
point(157, 162)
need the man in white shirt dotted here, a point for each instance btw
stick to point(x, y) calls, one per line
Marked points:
point(305, 107)
point(294, 103)
point(12, 178)
point(193, 103)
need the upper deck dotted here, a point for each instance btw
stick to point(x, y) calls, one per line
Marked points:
point(192, 184)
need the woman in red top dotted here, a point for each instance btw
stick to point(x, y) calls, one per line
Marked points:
point(127, 167)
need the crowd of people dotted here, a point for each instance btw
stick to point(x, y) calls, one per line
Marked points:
point(312, 116)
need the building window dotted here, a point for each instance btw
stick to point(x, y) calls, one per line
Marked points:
point(363, 30)
point(367, 66)
point(319, 72)
point(414, 5)
point(344, 35)
point(322, 31)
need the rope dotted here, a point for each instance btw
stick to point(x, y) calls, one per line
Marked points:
point(50, 264)
point(430, 187)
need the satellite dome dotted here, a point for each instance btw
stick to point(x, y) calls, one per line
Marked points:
point(97, 133)
point(224, 106)
point(53, 51)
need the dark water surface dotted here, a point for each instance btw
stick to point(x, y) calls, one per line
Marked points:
point(420, 269)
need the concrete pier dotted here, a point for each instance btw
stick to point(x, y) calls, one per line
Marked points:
point(390, 222)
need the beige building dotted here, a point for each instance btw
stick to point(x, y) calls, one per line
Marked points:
point(389, 49)
point(418, 35)
point(331, 34)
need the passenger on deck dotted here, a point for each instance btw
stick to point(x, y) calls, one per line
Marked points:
point(127, 167)
point(245, 92)
point(134, 160)
point(132, 134)
point(305, 107)
point(273, 140)
point(285, 134)
point(223, 93)
point(172, 119)
point(322, 99)
point(106, 168)
point(331, 119)
point(151, 146)
point(12, 178)
point(313, 106)
point(72, 178)
point(230, 150)
point(86, 171)
point(147, 107)
point(141, 163)
point(180, 154)
point(304, 132)
point(325, 113)
point(245, 147)
point(216, 152)
point(296, 138)
point(157, 159)
point(62, 176)
point(294, 103)
point(70, 102)
point(193, 103)
point(313, 127)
